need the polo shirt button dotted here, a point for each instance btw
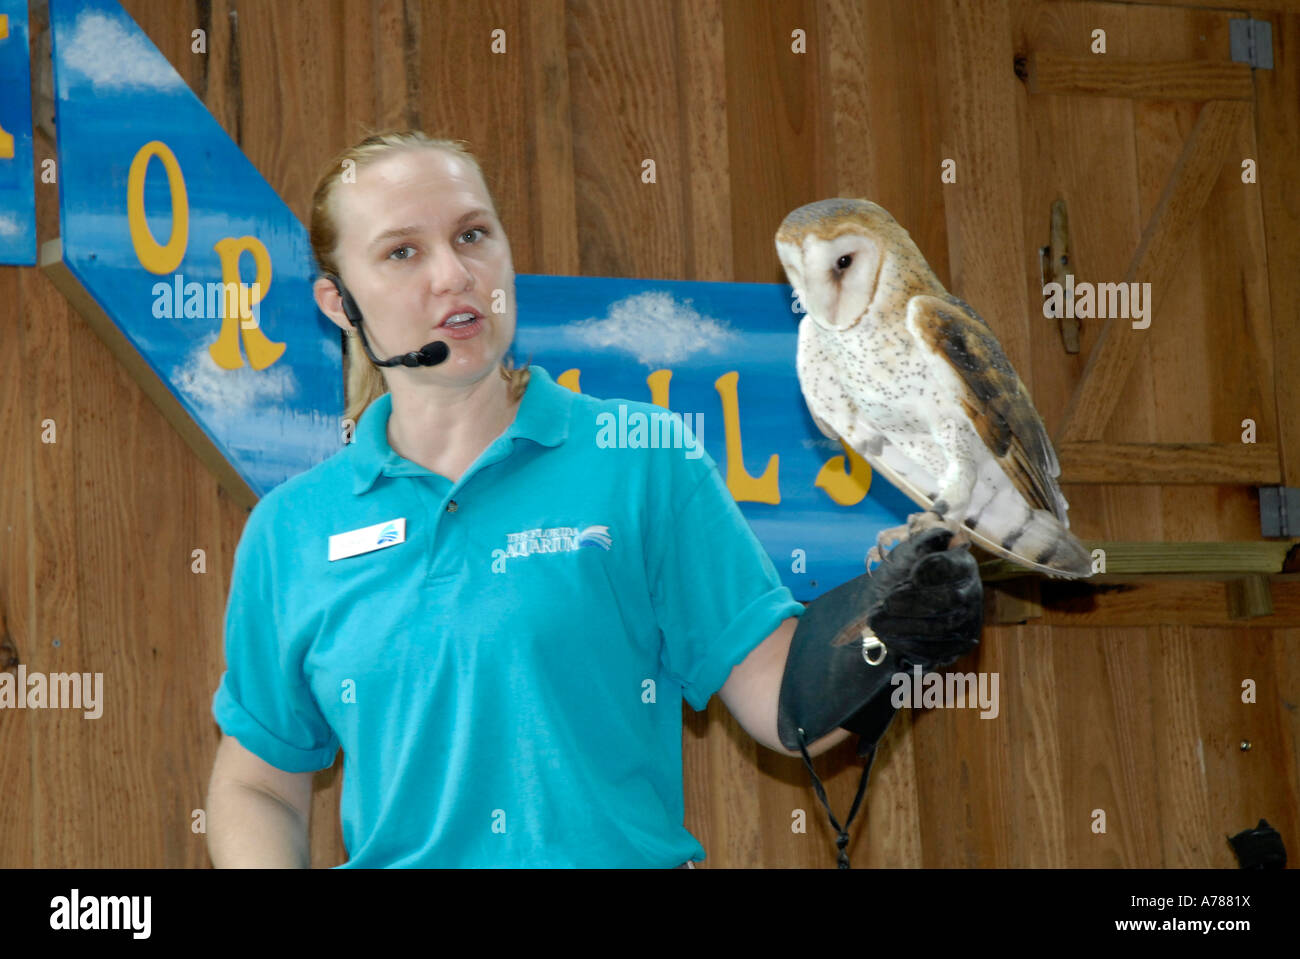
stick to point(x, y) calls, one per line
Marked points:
point(452, 507)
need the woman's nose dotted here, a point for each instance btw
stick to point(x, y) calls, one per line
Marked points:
point(450, 274)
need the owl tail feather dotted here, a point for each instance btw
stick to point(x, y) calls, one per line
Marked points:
point(1040, 542)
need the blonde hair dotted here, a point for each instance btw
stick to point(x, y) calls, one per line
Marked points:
point(364, 383)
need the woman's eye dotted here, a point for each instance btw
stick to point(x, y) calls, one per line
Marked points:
point(476, 229)
point(400, 249)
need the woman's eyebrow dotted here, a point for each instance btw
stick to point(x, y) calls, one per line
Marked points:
point(394, 233)
point(400, 231)
point(473, 214)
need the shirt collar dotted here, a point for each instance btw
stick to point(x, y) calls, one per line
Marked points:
point(543, 417)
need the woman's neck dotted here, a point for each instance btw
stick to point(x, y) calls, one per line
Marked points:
point(445, 429)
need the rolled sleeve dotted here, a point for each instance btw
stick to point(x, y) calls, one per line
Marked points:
point(263, 699)
point(715, 591)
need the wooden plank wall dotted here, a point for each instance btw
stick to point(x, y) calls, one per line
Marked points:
point(1124, 705)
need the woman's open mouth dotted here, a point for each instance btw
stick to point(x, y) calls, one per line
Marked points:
point(462, 326)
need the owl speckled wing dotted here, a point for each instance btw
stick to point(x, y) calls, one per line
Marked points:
point(993, 397)
point(1017, 509)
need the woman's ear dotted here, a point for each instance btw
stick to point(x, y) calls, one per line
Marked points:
point(330, 302)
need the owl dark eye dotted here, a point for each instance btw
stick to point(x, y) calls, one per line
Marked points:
point(843, 262)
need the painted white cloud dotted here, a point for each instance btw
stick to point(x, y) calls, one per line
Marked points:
point(9, 225)
point(821, 442)
point(209, 386)
point(656, 329)
point(109, 55)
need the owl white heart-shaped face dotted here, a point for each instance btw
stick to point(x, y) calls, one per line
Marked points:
point(835, 278)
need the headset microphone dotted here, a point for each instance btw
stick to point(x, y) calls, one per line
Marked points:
point(431, 354)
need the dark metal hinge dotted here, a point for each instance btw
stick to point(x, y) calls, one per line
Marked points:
point(1251, 41)
point(1279, 511)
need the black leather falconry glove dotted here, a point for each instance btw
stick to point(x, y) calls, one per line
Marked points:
point(923, 605)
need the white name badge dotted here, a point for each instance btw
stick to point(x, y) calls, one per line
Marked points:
point(366, 540)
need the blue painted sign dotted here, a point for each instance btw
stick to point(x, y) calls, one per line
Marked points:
point(189, 251)
point(17, 188)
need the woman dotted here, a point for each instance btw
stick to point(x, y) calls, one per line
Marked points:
point(494, 617)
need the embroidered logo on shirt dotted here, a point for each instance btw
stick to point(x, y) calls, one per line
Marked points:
point(595, 536)
point(555, 539)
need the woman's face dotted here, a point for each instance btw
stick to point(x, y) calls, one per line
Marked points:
point(419, 242)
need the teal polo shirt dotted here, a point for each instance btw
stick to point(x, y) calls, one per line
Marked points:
point(504, 674)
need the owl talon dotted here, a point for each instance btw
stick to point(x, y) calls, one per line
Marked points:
point(918, 523)
point(885, 539)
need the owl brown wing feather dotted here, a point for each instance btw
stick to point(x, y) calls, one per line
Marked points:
point(994, 398)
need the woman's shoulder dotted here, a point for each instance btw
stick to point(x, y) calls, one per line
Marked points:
point(306, 493)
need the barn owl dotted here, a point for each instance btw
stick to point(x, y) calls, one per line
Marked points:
point(914, 380)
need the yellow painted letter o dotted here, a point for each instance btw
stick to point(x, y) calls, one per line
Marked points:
point(155, 258)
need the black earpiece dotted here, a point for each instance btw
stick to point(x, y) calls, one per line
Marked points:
point(431, 354)
point(349, 305)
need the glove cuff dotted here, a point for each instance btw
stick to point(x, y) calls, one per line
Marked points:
point(828, 682)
